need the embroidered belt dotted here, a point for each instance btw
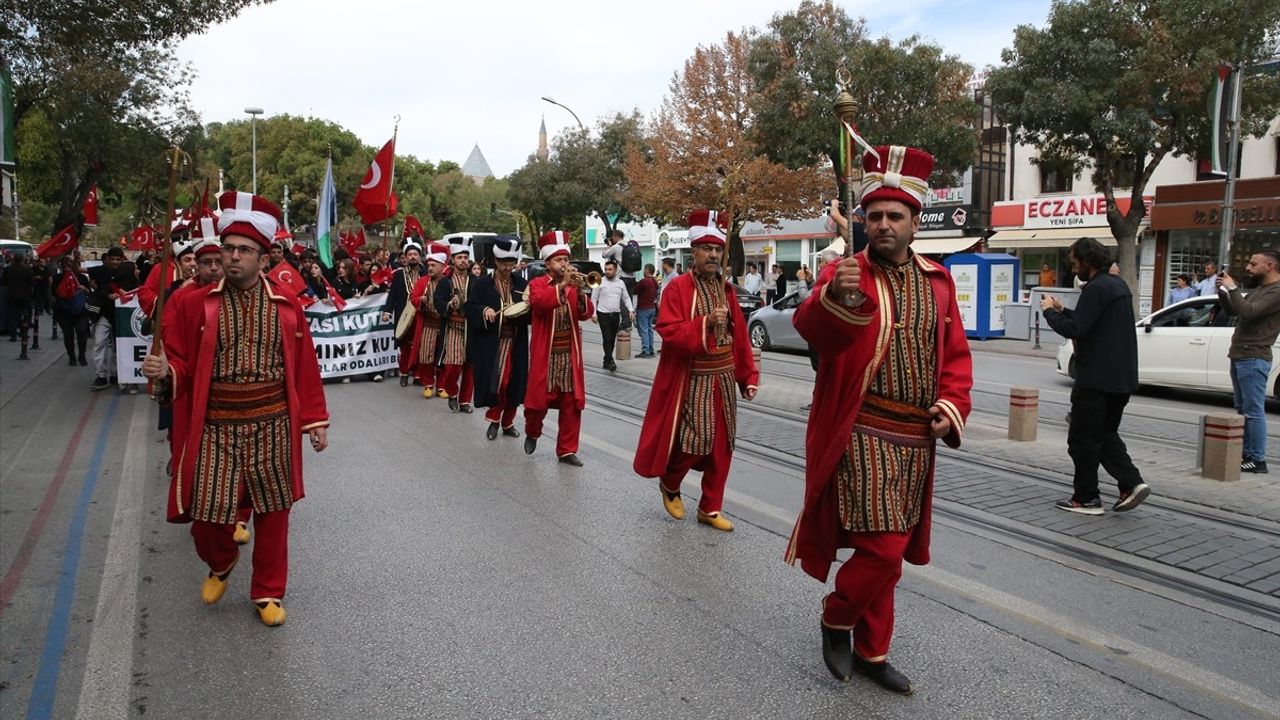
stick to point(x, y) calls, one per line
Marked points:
point(898, 423)
point(236, 403)
point(507, 331)
point(561, 342)
point(457, 322)
point(713, 364)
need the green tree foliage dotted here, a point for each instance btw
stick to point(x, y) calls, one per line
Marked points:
point(1118, 85)
point(107, 87)
point(909, 93)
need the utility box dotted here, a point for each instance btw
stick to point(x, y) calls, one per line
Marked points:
point(985, 283)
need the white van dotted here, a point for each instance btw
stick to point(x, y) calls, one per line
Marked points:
point(16, 247)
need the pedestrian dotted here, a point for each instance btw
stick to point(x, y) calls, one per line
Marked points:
point(752, 282)
point(106, 281)
point(1257, 326)
point(1048, 276)
point(476, 270)
point(1208, 285)
point(613, 303)
point(400, 288)
point(668, 272)
point(1106, 350)
point(41, 298)
point(255, 389)
point(895, 373)
point(458, 382)
point(498, 345)
point(557, 303)
point(771, 285)
point(627, 256)
point(780, 282)
point(72, 298)
point(19, 283)
point(646, 310)
point(1182, 290)
point(429, 324)
point(691, 420)
point(344, 281)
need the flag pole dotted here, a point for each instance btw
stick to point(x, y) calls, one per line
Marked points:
point(166, 260)
point(391, 187)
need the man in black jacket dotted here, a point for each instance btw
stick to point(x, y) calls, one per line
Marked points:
point(498, 346)
point(1106, 349)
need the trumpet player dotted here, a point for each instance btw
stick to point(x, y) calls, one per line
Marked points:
point(458, 383)
point(557, 303)
point(498, 343)
point(705, 363)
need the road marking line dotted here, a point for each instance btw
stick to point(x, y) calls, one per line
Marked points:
point(13, 576)
point(104, 692)
point(44, 689)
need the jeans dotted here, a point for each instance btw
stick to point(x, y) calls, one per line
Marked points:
point(104, 348)
point(75, 333)
point(609, 332)
point(644, 323)
point(1249, 385)
point(1093, 437)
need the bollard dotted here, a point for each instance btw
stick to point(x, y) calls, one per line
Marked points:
point(756, 357)
point(1222, 446)
point(1024, 413)
point(622, 345)
point(1037, 345)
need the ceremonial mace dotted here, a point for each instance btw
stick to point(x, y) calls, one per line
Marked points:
point(844, 108)
point(177, 157)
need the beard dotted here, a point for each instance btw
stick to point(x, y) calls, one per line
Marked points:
point(1251, 280)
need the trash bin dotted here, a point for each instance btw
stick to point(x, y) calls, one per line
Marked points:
point(1017, 321)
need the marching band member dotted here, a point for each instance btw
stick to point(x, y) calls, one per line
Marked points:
point(706, 361)
point(458, 383)
point(241, 355)
point(498, 345)
point(894, 372)
point(557, 303)
point(428, 323)
point(402, 282)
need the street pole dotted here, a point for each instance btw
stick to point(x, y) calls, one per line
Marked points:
point(566, 107)
point(285, 209)
point(254, 112)
point(1233, 161)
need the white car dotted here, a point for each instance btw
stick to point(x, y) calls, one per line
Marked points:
point(1184, 346)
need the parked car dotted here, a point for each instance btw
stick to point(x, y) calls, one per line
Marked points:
point(749, 302)
point(770, 326)
point(16, 247)
point(1183, 346)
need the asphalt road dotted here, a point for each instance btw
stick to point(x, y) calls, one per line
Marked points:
point(434, 574)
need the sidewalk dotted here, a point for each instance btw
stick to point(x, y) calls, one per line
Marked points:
point(16, 374)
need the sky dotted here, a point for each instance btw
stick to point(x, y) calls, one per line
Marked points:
point(462, 73)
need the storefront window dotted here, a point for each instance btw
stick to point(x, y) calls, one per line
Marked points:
point(1056, 177)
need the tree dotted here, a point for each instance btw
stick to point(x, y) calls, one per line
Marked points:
point(907, 94)
point(107, 86)
point(702, 152)
point(1132, 90)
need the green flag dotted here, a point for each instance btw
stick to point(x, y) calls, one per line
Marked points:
point(327, 216)
point(8, 153)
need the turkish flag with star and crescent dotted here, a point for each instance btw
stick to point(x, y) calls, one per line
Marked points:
point(90, 209)
point(62, 243)
point(375, 200)
point(287, 278)
point(143, 237)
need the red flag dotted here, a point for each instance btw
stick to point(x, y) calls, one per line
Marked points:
point(287, 278)
point(339, 303)
point(297, 249)
point(381, 277)
point(352, 242)
point(413, 228)
point(143, 237)
point(90, 209)
point(62, 243)
point(374, 200)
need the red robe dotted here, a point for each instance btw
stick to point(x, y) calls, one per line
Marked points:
point(149, 290)
point(683, 337)
point(416, 296)
point(181, 406)
point(852, 344)
point(544, 298)
point(190, 348)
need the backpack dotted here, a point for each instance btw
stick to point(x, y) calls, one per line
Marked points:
point(632, 260)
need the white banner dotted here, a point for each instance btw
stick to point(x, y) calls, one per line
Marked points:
point(352, 342)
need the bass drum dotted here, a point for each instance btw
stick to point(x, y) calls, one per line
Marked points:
point(515, 310)
point(404, 326)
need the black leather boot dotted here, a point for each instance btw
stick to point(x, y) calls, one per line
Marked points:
point(837, 652)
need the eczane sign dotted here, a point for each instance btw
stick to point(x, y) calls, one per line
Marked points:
point(1065, 211)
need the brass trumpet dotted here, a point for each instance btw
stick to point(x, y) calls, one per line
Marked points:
point(591, 280)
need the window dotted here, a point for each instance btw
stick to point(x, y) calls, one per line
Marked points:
point(1278, 155)
point(1056, 176)
point(1195, 316)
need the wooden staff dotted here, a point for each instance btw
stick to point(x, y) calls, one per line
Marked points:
point(166, 259)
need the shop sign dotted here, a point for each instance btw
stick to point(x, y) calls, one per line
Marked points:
point(949, 196)
point(1258, 213)
point(955, 217)
point(1066, 211)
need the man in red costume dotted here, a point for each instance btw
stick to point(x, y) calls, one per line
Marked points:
point(458, 383)
point(425, 349)
point(895, 373)
point(241, 355)
point(706, 361)
point(556, 305)
point(181, 267)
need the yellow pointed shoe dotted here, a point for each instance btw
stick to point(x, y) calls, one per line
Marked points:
point(715, 520)
point(428, 393)
point(215, 585)
point(270, 612)
point(241, 535)
point(443, 395)
point(672, 502)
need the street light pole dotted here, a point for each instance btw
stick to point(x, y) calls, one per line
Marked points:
point(254, 112)
point(566, 107)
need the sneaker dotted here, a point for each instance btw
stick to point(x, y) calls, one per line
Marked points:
point(377, 377)
point(346, 381)
point(1132, 499)
point(83, 362)
point(115, 380)
point(1254, 466)
point(100, 383)
point(71, 362)
point(1093, 507)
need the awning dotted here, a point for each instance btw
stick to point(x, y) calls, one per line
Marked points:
point(943, 246)
point(1049, 237)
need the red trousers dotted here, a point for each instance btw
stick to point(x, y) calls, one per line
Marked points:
point(449, 378)
point(505, 410)
point(863, 597)
point(219, 551)
point(426, 374)
point(714, 467)
point(570, 420)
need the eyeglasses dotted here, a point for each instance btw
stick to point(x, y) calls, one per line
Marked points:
point(241, 249)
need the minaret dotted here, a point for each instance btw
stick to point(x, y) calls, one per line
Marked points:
point(542, 153)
